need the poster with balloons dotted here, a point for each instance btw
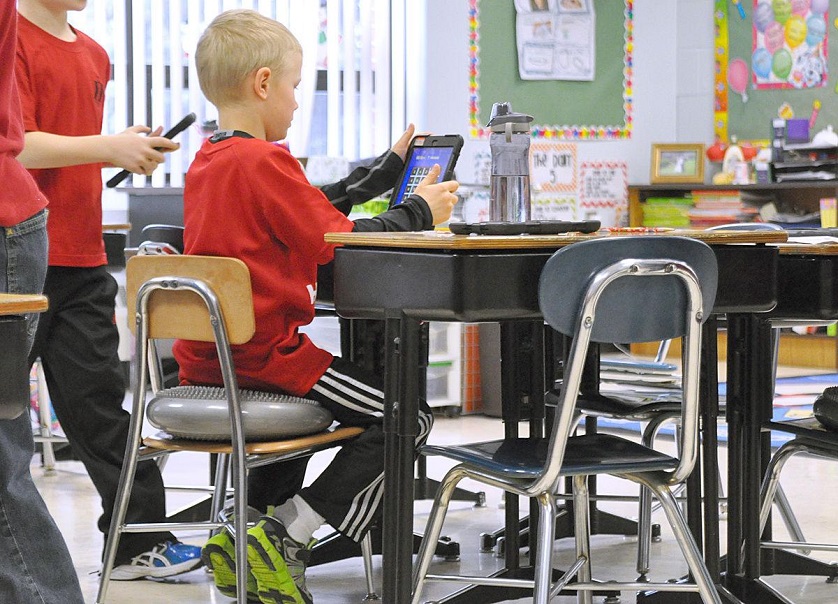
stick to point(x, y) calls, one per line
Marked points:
point(774, 59)
point(790, 46)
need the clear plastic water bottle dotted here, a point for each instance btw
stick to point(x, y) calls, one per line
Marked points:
point(509, 142)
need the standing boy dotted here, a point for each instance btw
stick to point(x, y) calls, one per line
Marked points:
point(36, 564)
point(248, 198)
point(62, 74)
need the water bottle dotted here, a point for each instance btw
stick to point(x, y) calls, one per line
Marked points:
point(509, 142)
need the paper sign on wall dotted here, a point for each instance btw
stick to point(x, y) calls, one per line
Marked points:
point(553, 166)
point(603, 192)
point(546, 205)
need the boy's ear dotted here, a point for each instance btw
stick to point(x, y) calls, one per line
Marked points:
point(261, 82)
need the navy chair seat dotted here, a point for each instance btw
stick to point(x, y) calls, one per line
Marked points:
point(526, 457)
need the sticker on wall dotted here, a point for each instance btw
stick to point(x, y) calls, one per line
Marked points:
point(553, 166)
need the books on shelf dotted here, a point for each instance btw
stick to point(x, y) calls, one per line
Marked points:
point(714, 207)
point(701, 209)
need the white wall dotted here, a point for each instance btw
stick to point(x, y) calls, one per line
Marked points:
point(672, 93)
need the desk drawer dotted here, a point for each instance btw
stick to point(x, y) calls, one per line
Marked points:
point(469, 287)
point(747, 278)
point(807, 288)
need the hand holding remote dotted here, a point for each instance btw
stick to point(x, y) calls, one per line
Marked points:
point(177, 129)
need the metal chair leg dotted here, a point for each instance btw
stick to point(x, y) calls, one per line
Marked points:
point(123, 494)
point(366, 553)
point(788, 517)
point(689, 548)
point(582, 529)
point(433, 530)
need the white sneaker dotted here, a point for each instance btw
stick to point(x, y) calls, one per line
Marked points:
point(164, 560)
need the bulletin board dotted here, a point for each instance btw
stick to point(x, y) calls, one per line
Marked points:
point(574, 110)
point(758, 39)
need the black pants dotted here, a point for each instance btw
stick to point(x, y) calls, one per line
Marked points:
point(77, 342)
point(349, 490)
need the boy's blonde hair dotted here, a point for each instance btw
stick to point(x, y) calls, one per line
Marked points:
point(235, 44)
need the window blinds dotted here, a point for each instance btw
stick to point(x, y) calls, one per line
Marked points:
point(352, 98)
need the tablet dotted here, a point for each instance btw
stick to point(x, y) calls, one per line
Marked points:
point(423, 153)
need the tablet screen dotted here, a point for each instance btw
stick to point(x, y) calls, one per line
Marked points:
point(419, 164)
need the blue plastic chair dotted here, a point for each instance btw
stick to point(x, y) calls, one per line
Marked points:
point(636, 289)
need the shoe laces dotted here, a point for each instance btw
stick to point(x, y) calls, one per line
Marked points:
point(296, 555)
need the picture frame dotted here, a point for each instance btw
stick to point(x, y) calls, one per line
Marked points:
point(677, 162)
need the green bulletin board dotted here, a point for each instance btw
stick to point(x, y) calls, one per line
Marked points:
point(575, 110)
point(740, 40)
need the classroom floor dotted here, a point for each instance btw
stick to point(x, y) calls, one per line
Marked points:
point(811, 485)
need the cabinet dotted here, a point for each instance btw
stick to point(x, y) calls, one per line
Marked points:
point(800, 197)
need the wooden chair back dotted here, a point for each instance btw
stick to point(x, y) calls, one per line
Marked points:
point(182, 314)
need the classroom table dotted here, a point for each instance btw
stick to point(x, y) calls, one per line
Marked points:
point(407, 278)
point(14, 397)
point(807, 289)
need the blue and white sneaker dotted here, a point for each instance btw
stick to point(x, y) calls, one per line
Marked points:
point(164, 560)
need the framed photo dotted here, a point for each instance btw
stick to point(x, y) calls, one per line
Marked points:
point(678, 162)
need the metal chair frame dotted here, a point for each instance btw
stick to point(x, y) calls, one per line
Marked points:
point(169, 288)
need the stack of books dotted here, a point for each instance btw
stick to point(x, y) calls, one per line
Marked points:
point(715, 207)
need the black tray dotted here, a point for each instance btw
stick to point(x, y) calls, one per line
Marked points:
point(531, 227)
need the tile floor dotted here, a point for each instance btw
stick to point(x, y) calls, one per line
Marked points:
point(75, 505)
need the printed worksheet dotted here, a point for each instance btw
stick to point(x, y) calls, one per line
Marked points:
point(555, 39)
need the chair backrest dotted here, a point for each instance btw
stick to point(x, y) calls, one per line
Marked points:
point(182, 314)
point(746, 226)
point(629, 310)
point(162, 239)
point(628, 289)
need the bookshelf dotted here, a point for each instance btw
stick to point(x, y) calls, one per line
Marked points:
point(801, 196)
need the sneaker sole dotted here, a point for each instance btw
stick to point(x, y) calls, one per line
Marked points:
point(219, 556)
point(273, 581)
point(157, 572)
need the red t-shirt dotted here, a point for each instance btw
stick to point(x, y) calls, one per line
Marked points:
point(19, 195)
point(62, 91)
point(249, 199)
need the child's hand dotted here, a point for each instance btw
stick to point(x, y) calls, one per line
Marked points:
point(139, 154)
point(438, 195)
point(401, 145)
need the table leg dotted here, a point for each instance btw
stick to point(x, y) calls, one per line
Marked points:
point(709, 421)
point(749, 404)
point(402, 351)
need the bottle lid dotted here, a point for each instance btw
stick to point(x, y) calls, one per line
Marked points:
point(502, 114)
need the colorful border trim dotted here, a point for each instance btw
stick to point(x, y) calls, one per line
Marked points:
point(722, 52)
point(557, 132)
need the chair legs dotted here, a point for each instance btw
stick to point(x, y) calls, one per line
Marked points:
point(123, 495)
point(366, 554)
point(434, 529)
point(772, 492)
point(582, 535)
point(685, 540)
point(542, 563)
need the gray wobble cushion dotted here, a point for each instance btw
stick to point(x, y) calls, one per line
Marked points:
point(200, 412)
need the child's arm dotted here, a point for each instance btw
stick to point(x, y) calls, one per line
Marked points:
point(366, 182)
point(127, 150)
